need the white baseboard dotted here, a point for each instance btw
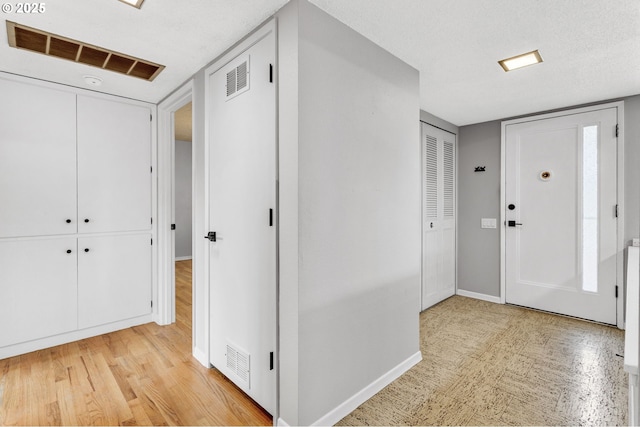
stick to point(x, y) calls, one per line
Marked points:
point(47, 342)
point(201, 357)
point(476, 295)
point(282, 423)
point(183, 258)
point(367, 393)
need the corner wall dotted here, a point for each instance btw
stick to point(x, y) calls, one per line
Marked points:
point(358, 215)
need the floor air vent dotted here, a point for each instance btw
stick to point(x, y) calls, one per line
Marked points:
point(34, 40)
point(238, 362)
point(238, 79)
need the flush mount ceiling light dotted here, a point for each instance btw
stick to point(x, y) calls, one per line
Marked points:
point(39, 41)
point(520, 61)
point(134, 3)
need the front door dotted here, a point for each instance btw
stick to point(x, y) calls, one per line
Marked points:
point(242, 194)
point(561, 214)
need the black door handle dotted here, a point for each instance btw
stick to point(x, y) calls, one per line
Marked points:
point(86, 249)
point(513, 223)
point(211, 236)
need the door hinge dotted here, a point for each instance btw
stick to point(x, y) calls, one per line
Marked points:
point(270, 73)
point(152, 241)
point(150, 117)
point(151, 303)
point(616, 291)
point(151, 169)
point(271, 361)
point(270, 217)
point(152, 220)
point(617, 130)
point(616, 211)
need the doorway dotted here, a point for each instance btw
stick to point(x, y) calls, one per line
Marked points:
point(561, 213)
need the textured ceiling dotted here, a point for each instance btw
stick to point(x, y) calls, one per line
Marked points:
point(591, 48)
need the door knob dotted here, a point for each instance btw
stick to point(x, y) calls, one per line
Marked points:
point(86, 220)
point(68, 221)
point(86, 249)
point(211, 236)
point(513, 223)
point(68, 251)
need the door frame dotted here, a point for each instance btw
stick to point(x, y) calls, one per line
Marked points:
point(165, 303)
point(620, 195)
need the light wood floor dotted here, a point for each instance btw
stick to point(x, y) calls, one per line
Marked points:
point(138, 376)
point(492, 364)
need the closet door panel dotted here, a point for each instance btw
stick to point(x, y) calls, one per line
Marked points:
point(114, 160)
point(38, 289)
point(114, 278)
point(37, 160)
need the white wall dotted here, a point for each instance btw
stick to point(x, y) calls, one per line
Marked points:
point(357, 216)
point(183, 195)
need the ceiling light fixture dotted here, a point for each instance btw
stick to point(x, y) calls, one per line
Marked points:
point(520, 61)
point(134, 3)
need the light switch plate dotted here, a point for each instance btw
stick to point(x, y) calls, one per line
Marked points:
point(636, 242)
point(488, 223)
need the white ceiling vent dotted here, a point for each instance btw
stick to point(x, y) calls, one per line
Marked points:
point(238, 363)
point(238, 79)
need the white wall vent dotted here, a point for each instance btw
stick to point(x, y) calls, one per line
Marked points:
point(238, 363)
point(238, 79)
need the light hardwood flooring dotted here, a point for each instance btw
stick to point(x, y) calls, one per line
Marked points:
point(491, 364)
point(138, 376)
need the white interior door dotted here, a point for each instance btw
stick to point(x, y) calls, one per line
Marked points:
point(242, 214)
point(561, 212)
point(438, 252)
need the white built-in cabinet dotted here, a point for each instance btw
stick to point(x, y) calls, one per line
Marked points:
point(438, 215)
point(75, 222)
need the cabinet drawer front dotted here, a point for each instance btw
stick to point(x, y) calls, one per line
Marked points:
point(38, 289)
point(114, 278)
point(37, 161)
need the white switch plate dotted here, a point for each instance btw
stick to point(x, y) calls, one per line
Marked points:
point(488, 223)
point(636, 242)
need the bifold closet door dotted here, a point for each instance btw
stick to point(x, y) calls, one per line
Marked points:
point(438, 239)
point(37, 160)
point(114, 166)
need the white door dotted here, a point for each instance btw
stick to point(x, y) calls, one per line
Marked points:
point(438, 240)
point(242, 214)
point(114, 278)
point(561, 214)
point(37, 160)
point(114, 166)
point(38, 288)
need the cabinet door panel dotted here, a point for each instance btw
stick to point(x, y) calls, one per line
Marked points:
point(114, 160)
point(37, 160)
point(38, 289)
point(114, 278)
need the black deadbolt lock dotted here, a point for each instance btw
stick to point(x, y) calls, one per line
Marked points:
point(511, 207)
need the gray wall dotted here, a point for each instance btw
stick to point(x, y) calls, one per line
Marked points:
point(349, 213)
point(479, 197)
point(183, 199)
